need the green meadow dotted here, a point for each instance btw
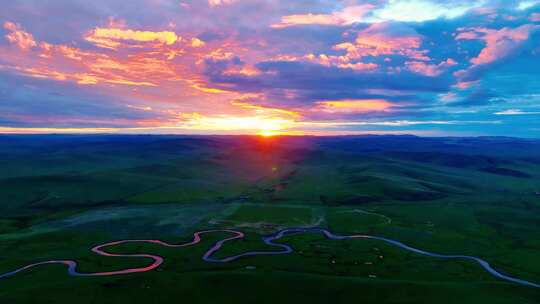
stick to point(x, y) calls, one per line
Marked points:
point(62, 195)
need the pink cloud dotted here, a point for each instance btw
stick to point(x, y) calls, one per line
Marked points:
point(348, 15)
point(469, 35)
point(18, 36)
point(463, 85)
point(148, 68)
point(499, 43)
point(535, 17)
point(215, 3)
point(353, 106)
point(341, 62)
point(384, 39)
point(427, 69)
point(141, 58)
point(155, 68)
point(359, 66)
point(448, 97)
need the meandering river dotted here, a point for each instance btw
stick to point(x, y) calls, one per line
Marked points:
point(271, 240)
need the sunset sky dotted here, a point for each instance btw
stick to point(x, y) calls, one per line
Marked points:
point(424, 67)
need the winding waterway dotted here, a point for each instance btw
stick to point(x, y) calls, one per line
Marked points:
point(281, 248)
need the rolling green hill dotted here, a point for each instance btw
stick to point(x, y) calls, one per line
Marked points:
point(60, 195)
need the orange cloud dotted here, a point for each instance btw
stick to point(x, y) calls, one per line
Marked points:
point(144, 66)
point(110, 37)
point(150, 71)
point(200, 86)
point(262, 109)
point(80, 78)
point(354, 106)
point(196, 42)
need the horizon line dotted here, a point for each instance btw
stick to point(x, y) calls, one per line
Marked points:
point(273, 136)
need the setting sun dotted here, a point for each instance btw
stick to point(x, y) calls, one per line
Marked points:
point(268, 133)
point(265, 126)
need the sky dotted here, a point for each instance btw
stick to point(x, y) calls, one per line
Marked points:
point(317, 67)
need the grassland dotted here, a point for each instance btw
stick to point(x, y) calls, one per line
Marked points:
point(60, 195)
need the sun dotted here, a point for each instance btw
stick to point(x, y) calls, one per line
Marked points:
point(268, 133)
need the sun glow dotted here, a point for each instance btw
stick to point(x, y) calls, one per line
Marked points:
point(354, 106)
point(267, 133)
point(262, 125)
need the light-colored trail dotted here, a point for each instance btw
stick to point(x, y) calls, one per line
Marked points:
point(386, 218)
